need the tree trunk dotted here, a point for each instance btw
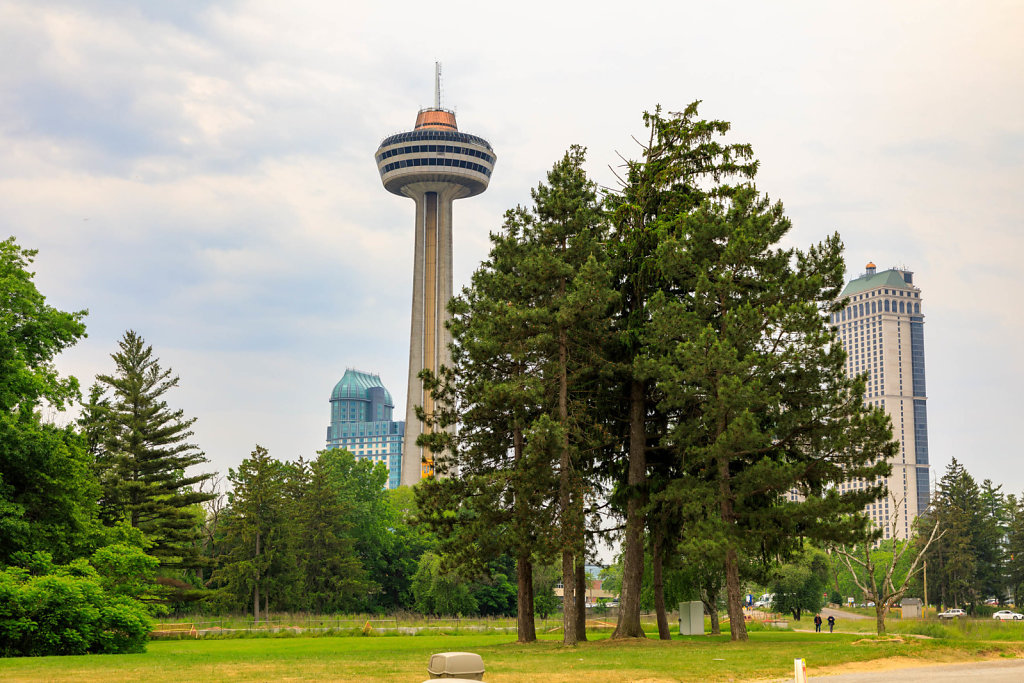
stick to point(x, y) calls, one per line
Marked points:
point(733, 592)
point(710, 599)
point(711, 607)
point(734, 597)
point(256, 585)
point(525, 628)
point(570, 603)
point(581, 596)
point(628, 625)
point(659, 589)
point(880, 617)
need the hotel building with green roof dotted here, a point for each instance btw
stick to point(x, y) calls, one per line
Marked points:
point(361, 411)
point(882, 330)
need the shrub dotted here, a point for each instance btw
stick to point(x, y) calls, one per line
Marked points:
point(67, 611)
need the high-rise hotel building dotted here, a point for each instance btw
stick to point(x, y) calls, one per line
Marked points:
point(882, 330)
point(361, 410)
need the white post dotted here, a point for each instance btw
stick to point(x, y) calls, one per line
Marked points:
point(800, 670)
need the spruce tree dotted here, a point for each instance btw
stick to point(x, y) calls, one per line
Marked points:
point(146, 454)
point(953, 560)
point(255, 532)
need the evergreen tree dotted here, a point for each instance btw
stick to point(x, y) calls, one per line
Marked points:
point(1015, 547)
point(146, 454)
point(330, 574)
point(990, 542)
point(953, 560)
point(500, 497)
point(752, 377)
point(682, 156)
point(254, 529)
point(571, 330)
point(526, 338)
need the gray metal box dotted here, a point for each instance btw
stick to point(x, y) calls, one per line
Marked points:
point(691, 618)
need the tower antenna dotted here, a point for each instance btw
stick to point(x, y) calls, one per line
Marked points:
point(437, 85)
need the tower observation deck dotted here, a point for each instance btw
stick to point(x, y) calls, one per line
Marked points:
point(434, 164)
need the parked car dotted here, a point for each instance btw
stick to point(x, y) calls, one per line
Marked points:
point(955, 613)
point(1007, 615)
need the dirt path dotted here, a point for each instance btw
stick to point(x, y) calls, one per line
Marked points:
point(842, 614)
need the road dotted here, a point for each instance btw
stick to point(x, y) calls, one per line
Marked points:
point(1001, 671)
point(840, 614)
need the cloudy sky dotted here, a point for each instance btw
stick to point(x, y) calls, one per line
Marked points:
point(202, 172)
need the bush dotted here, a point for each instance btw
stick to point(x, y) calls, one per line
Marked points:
point(67, 611)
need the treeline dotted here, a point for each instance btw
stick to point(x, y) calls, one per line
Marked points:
point(321, 536)
point(650, 354)
point(110, 521)
point(980, 555)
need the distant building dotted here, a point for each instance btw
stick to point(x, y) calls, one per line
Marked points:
point(361, 423)
point(882, 330)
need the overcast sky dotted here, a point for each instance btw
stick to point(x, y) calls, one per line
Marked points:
point(203, 173)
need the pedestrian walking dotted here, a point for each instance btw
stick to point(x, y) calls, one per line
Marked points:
point(831, 623)
point(817, 623)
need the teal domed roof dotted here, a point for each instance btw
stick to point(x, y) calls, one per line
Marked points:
point(356, 384)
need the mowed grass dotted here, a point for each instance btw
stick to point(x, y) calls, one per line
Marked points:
point(404, 658)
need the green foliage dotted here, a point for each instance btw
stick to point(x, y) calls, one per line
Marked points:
point(31, 335)
point(440, 592)
point(78, 608)
point(798, 586)
point(145, 453)
point(321, 542)
point(254, 529)
point(308, 536)
point(526, 341)
point(966, 565)
point(47, 490)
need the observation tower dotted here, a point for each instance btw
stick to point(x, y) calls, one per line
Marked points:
point(433, 164)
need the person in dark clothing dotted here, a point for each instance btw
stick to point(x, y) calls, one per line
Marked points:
point(817, 623)
point(831, 623)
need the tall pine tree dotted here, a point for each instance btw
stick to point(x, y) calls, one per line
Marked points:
point(146, 455)
point(680, 163)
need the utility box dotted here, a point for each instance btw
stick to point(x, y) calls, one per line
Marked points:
point(691, 618)
point(461, 665)
point(911, 608)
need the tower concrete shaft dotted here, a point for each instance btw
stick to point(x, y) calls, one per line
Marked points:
point(433, 165)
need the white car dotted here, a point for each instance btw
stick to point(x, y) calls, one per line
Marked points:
point(955, 613)
point(1007, 615)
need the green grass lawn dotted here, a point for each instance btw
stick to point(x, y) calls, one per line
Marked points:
point(404, 658)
